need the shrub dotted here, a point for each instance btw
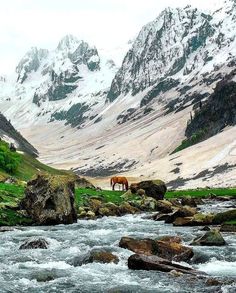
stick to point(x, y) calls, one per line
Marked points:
point(9, 161)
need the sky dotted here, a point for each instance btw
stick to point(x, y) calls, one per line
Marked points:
point(104, 23)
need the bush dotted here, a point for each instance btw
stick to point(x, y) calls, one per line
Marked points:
point(9, 161)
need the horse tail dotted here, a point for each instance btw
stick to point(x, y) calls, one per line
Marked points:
point(111, 181)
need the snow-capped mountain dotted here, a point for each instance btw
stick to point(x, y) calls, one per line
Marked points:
point(58, 85)
point(131, 119)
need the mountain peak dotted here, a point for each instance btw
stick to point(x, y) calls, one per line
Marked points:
point(68, 42)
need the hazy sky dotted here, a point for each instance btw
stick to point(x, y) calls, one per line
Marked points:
point(104, 23)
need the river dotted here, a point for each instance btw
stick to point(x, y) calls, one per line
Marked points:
point(54, 269)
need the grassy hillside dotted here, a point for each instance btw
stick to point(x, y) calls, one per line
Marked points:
point(27, 165)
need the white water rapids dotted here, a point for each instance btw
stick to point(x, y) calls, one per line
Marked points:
point(55, 270)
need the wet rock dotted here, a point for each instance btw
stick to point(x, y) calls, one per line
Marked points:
point(168, 238)
point(142, 246)
point(228, 228)
point(213, 282)
point(144, 262)
point(206, 228)
point(6, 229)
point(210, 238)
point(90, 215)
point(155, 189)
point(191, 201)
point(126, 208)
point(164, 206)
point(223, 217)
point(160, 217)
point(35, 244)
point(102, 257)
point(173, 250)
point(109, 209)
point(181, 212)
point(198, 219)
point(168, 249)
point(49, 200)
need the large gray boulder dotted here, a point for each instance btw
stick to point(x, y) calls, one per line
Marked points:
point(49, 200)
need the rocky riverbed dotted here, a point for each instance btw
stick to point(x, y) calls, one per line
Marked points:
point(59, 269)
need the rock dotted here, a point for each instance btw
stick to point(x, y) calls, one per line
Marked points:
point(102, 257)
point(155, 189)
point(167, 249)
point(228, 228)
point(191, 201)
point(145, 262)
point(81, 182)
point(49, 200)
point(164, 206)
point(128, 194)
point(181, 212)
point(126, 208)
point(173, 251)
point(148, 204)
point(160, 217)
point(141, 192)
point(186, 221)
point(141, 246)
point(35, 244)
point(206, 228)
point(94, 204)
point(223, 217)
point(109, 209)
point(213, 282)
point(90, 215)
point(6, 229)
point(198, 219)
point(168, 238)
point(210, 238)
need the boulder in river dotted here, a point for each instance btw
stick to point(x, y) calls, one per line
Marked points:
point(49, 200)
point(153, 262)
point(166, 248)
point(210, 238)
point(39, 243)
point(224, 217)
point(155, 189)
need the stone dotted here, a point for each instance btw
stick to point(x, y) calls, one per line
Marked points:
point(228, 228)
point(173, 250)
point(191, 201)
point(49, 200)
point(94, 204)
point(141, 192)
point(198, 219)
point(210, 238)
point(223, 217)
point(141, 246)
point(90, 215)
point(153, 262)
point(184, 211)
point(126, 208)
point(168, 238)
point(164, 206)
point(155, 189)
point(102, 257)
point(39, 243)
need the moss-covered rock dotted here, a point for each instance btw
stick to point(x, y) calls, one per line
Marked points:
point(210, 238)
point(49, 199)
point(224, 217)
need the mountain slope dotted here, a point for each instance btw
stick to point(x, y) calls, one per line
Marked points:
point(133, 122)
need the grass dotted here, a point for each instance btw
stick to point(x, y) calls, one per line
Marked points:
point(11, 194)
point(232, 222)
point(201, 192)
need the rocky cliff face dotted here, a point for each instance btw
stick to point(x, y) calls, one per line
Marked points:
point(9, 133)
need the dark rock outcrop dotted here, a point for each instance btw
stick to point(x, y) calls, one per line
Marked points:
point(155, 189)
point(39, 243)
point(224, 217)
point(145, 262)
point(49, 200)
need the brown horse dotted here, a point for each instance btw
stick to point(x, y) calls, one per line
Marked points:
point(119, 180)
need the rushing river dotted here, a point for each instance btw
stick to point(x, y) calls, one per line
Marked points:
point(54, 269)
